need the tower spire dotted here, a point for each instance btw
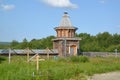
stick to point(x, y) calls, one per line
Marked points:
point(65, 22)
point(65, 42)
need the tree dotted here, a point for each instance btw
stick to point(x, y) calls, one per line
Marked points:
point(100, 42)
point(116, 39)
point(24, 44)
point(14, 43)
point(104, 40)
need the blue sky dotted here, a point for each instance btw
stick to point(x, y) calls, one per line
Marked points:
point(31, 19)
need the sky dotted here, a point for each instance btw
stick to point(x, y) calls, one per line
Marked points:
point(36, 19)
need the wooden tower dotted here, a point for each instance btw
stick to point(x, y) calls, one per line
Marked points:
point(65, 42)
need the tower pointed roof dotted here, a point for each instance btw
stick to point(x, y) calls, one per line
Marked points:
point(65, 22)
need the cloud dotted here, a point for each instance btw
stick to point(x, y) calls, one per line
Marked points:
point(60, 3)
point(118, 26)
point(7, 7)
point(102, 1)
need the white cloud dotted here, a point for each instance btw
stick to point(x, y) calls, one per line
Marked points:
point(7, 7)
point(102, 1)
point(60, 3)
point(118, 26)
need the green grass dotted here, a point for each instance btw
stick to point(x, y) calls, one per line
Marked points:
point(72, 68)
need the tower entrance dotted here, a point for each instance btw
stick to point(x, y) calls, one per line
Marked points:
point(73, 50)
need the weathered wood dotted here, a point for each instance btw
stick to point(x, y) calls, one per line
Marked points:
point(47, 52)
point(66, 37)
point(28, 54)
point(9, 55)
point(32, 57)
point(37, 62)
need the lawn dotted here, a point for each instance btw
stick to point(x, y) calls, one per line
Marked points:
point(71, 68)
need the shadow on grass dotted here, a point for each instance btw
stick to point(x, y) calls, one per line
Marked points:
point(2, 59)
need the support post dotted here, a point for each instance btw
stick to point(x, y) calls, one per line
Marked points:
point(28, 54)
point(47, 53)
point(69, 49)
point(9, 55)
point(65, 47)
point(37, 62)
point(116, 52)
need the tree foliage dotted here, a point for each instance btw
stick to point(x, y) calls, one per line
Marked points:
point(101, 42)
point(97, 43)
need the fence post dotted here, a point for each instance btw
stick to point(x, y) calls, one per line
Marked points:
point(37, 62)
point(47, 52)
point(116, 52)
point(9, 55)
point(28, 54)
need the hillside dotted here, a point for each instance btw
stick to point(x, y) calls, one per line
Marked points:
point(4, 43)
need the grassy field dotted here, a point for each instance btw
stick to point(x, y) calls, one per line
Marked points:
point(72, 68)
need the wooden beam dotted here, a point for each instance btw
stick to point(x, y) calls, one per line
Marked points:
point(9, 55)
point(47, 52)
point(37, 62)
point(28, 52)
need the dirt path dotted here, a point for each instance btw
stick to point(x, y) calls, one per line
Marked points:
point(106, 76)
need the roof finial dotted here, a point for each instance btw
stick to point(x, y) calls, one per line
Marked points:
point(65, 12)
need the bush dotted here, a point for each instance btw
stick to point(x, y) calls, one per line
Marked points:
point(83, 59)
point(79, 59)
point(2, 58)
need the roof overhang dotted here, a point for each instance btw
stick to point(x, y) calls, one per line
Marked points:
point(71, 39)
point(57, 28)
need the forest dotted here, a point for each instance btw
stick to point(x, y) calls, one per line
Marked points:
point(101, 42)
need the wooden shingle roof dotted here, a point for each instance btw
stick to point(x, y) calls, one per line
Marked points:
point(65, 22)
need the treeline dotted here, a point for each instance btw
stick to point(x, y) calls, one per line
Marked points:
point(98, 43)
point(34, 43)
point(102, 42)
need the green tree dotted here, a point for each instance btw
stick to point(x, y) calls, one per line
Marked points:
point(24, 44)
point(100, 42)
point(104, 40)
point(14, 43)
point(116, 39)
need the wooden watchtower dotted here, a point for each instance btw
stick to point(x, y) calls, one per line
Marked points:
point(65, 42)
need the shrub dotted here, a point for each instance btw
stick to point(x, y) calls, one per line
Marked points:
point(2, 58)
point(74, 59)
point(83, 59)
point(79, 59)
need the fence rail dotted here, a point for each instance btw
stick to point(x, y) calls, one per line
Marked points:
point(103, 54)
point(31, 52)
